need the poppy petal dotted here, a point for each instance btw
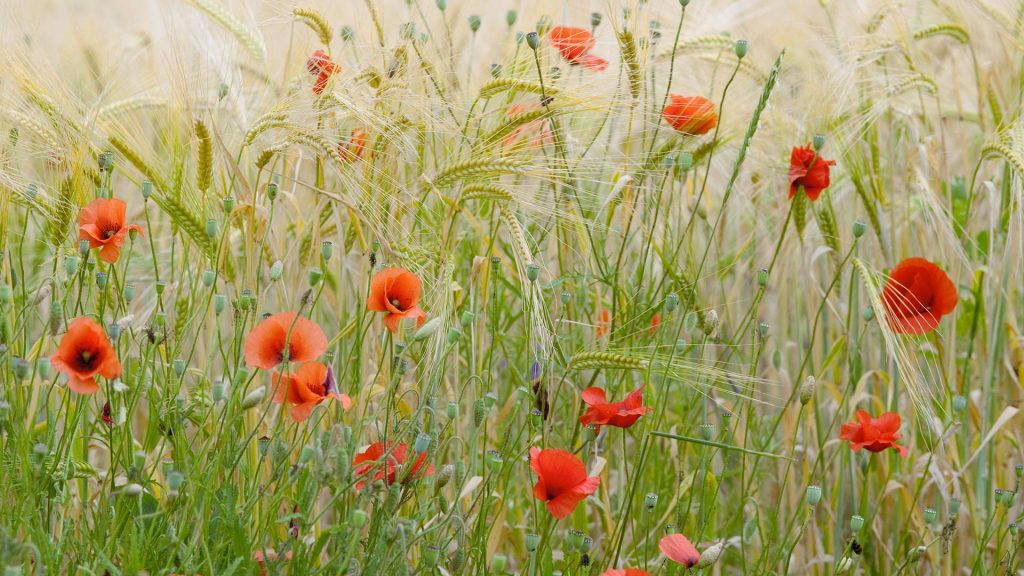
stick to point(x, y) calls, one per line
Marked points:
point(679, 549)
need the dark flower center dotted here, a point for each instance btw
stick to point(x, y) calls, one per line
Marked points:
point(86, 359)
point(110, 230)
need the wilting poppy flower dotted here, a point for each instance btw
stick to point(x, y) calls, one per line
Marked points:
point(397, 292)
point(873, 434)
point(562, 480)
point(102, 223)
point(321, 65)
point(307, 387)
point(83, 353)
point(265, 345)
point(691, 115)
point(916, 296)
point(352, 149)
point(604, 321)
point(105, 416)
point(622, 414)
point(575, 45)
point(626, 572)
point(809, 170)
point(536, 131)
point(369, 460)
point(678, 549)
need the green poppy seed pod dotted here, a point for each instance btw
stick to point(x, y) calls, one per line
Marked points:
point(83, 247)
point(859, 228)
point(532, 543)
point(574, 538)
point(114, 331)
point(595, 19)
point(868, 313)
point(474, 23)
point(930, 515)
point(707, 431)
point(129, 292)
point(494, 460)
point(807, 390)
point(532, 272)
point(272, 191)
point(22, 368)
point(813, 495)
point(710, 555)
point(453, 335)
point(710, 322)
point(467, 318)
point(741, 47)
point(452, 410)
point(71, 264)
point(1018, 470)
point(101, 280)
point(211, 228)
point(498, 563)
point(650, 501)
point(179, 367)
point(220, 301)
point(511, 17)
point(1008, 497)
point(589, 432)
point(275, 270)
point(442, 5)
point(422, 443)
point(175, 480)
point(533, 40)
point(762, 330)
point(431, 554)
point(147, 189)
point(685, 161)
point(254, 398)
point(347, 33)
point(818, 142)
point(856, 523)
point(359, 519)
point(566, 296)
point(220, 390)
point(209, 277)
point(690, 321)
point(326, 250)
point(229, 204)
point(495, 70)
point(45, 368)
point(671, 303)
point(315, 275)
point(479, 413)
point(428, 329)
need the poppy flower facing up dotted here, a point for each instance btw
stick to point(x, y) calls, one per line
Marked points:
point(562, 480)
point(679, 549)
point(307, 387)
point(626, 572)
point(916, 296)
point(321, 65)
point(369, 460)
point(575, 45)
point(352, 149)
point(808, 169)
point(84, 352)
point(397, 292)
point(102, 223)
point(265, 345)
point(690, 115)
point(873, 434)
point(622, 414)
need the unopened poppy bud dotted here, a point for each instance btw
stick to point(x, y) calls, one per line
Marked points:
point(532, 272)
point(83, 247)
point(671, 302)
point(467, 318)
point(347, 33)
point(307, 454)
point(533, 40)
point(211, 227)
point(442, 5)
point(818, 142)
point(474, 23)
point(147, 189)
point(807, 390)
point(868, 313)
point(453, 335)
point(710, 555)
point(710, 322)
point(254, 398)
point(595, 19)
point(859, 228)
point(129, 292)
point(458, 560)
point(443, 476)
point(479, 412)
point(315, 275)
point(813, 495)
point(220, 301)
point(219, 391)
point(209, 277)
point(132, 489)
point(428, 329)
point(930, 515)
point(498, 563)
point(532, 542)
point(45, 368)
point(460, 473)
point(959, 403)
point(272, 191)
point(510, 18)
point(71, 264)
point(275, 270)
point(22, 368)
point(359, 519)
point(856, 523)
point(741, 48)
point(650, 501)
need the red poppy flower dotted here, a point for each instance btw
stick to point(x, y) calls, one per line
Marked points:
point(83, 353)
point(626, 572)
point(604, 322)
point(916, 296)
point(265, 345)
point(102, 223)
point(575, 45)
point(655, 322)
point(369, 460)
point(562, 480)
point(679, 549)
point(691, 115)
point(397, 292)
point(873, 434)
point(622, 414)
point(809, 170)
point(307, 387)
point(323, 67)
point(352, 149)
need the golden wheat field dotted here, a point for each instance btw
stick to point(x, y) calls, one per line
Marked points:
point(496, 287)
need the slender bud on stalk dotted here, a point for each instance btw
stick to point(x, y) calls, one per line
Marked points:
point(710, 555)
point(254, 398)
point(428, 329)
point(275, 270)
point(807, 390)
point(710, 322)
